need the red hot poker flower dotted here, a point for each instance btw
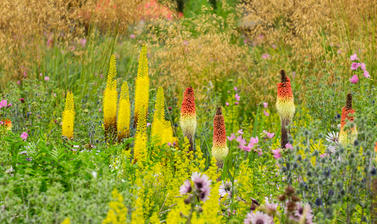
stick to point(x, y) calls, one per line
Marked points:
point(219, 147)
point(188, 115)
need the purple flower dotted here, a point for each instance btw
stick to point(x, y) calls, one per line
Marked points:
point(289, 146)
point(353, 57)
point(231, 137)
point(241, 141)
point(235, 88)
point(303, 213)
point(18, 82)
point(246, 148)
point(363, 66)
point(276, 153)
point(266, 113)
point(366, 74)
point(132, 36)
point(148, 124)
point(323, 155)
point(3, 103)
point(83, 42)
point(254, 141)
point(202, 185)
point(354, 79)
point(268, 134)
point(24, 136)
point(240, 132)
point(265, 56)
point(265, 104)
point(258, 218)
point(354, 66)
point(237, 97)
point(47, 78)
point(227, 104)
point(236, 103)
point(185, 188)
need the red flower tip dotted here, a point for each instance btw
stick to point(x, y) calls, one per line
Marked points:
point(284, 87)
point(188, 103)
point(219, 135)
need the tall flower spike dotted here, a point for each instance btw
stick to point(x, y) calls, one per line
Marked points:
point(162, 131)
point(285, 106)
point(141, 138)
point(142, 84)
point(68, 117)
point(219, 147)
point(347, 136)
point(188, 116)
point(124, 113)
point(110, 99)
point(159, 112)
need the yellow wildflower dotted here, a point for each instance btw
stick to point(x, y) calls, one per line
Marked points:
point(110, 99)
point(142, 85)
point(68, 117)
point(118, 211)
point(124, 113)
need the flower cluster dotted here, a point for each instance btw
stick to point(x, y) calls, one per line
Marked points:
point(355, 67)
point(199, 189)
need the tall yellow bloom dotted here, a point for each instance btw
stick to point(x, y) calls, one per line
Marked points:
point(124, 113)
point(140, 145)
point(110, 99)
point(68, 117)
point(159, 112)
point(118, 211)
point(162, 131)
point(142, 85)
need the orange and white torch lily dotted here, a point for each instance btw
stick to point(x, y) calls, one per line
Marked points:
point(285, 106)
point(219, 148)
point(347, 135)
point(188, 116)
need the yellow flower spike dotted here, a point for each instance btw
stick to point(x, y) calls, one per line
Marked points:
point(154, 219)
point(142, 84)
point(110, 100)
point(141, 137)
point(159, 112)
point(124, 113)
point(68, 117)
point(118, 211)
point(66, 221)
point(162, 131)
